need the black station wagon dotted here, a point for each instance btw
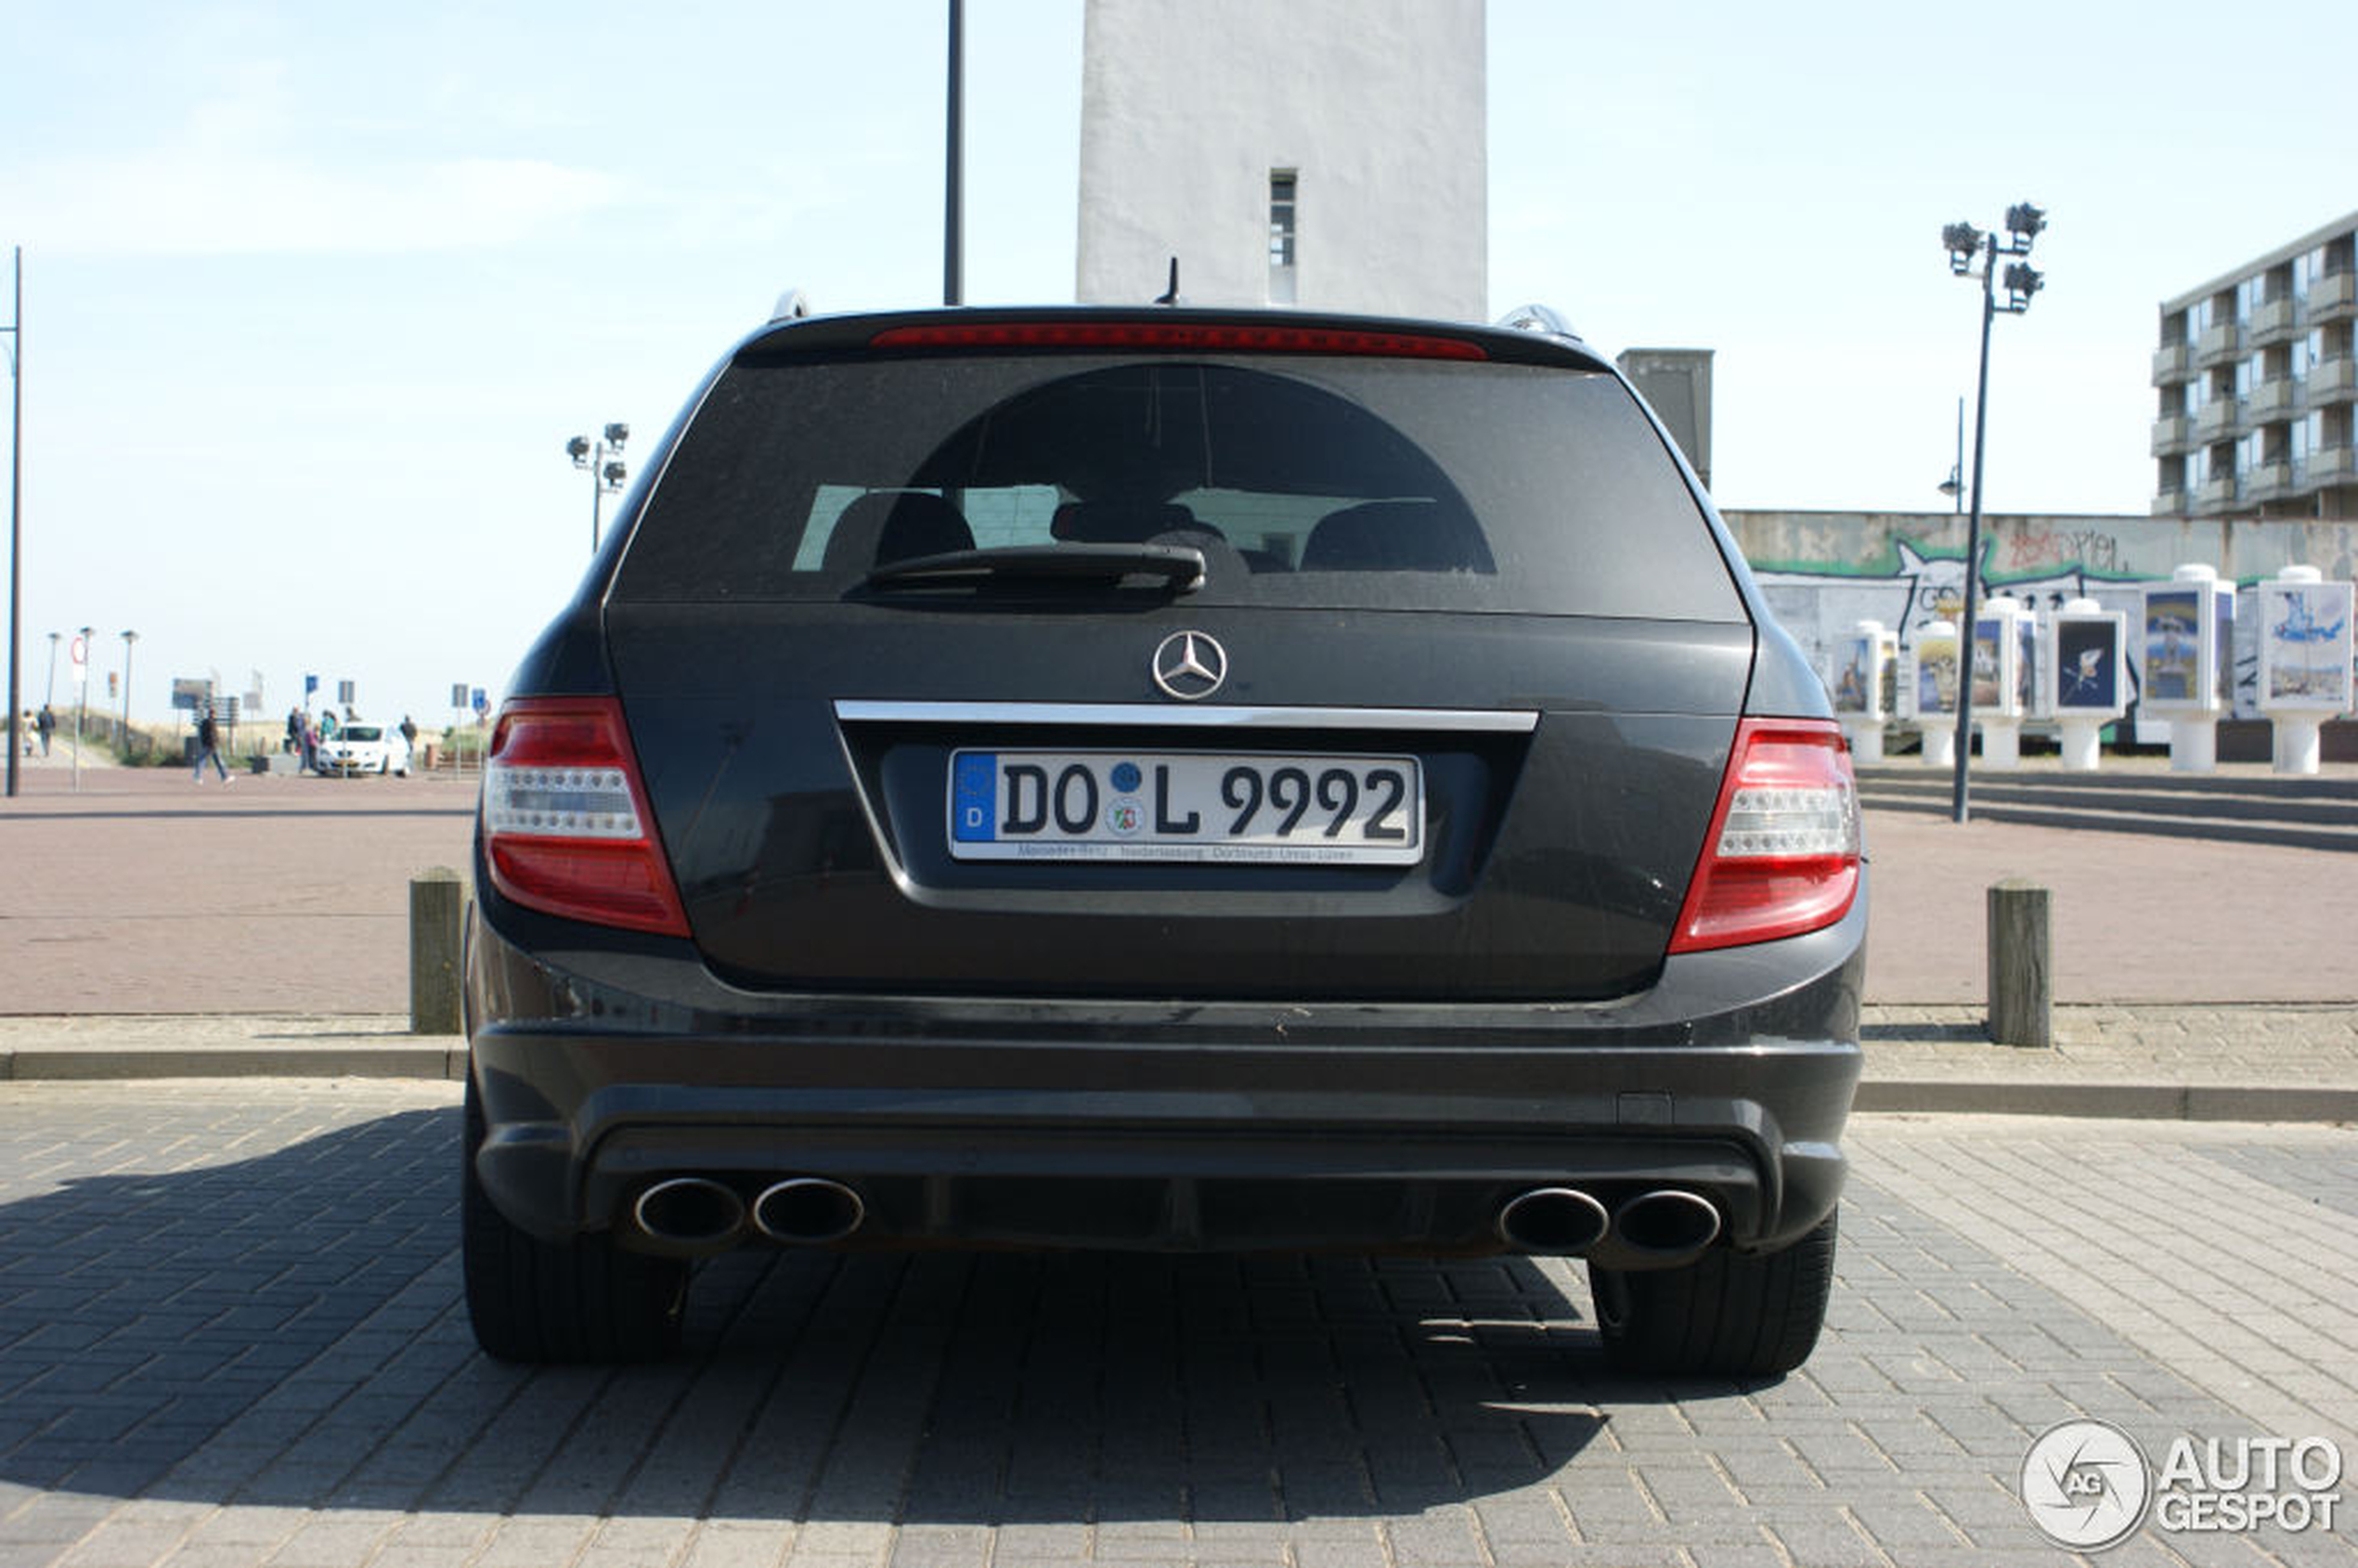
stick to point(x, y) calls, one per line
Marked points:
point(1164, 779)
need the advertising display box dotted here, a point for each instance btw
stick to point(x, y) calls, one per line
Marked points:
point(2306, 651)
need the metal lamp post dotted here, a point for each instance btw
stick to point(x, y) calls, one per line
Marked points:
point(128, 638)
point(606, 474)
point(80, 699)
point(1969, 246)
point(15, 329)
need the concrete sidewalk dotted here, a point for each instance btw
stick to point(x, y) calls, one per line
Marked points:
point(2250, 1062)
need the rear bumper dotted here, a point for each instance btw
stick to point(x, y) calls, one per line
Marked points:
point(1160, 1125)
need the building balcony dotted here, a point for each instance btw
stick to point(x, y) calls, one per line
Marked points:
point(2269, 482)
point(2215, 495)
point(2333, 465)
point(2172, 362)
point(2333, 297)
point(2172, 432)
point(2333, 381)
point(2217, 419)
point(2170, 503)
point(2272, 400)
point(2274, 321)
point(2221, 342)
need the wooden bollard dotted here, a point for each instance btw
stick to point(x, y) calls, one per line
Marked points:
point(436, 898)
point(2022, 964)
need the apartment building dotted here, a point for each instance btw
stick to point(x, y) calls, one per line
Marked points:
point(2256, 382)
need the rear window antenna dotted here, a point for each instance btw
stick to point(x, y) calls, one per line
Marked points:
point(1171, 294)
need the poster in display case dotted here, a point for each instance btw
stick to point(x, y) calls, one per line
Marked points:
point(2173, 647)
point(1857, 680)
point(1935, 683)
point(2088, 664)
point(2305, 645)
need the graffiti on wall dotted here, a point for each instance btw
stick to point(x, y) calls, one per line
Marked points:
point(1818, 606)
point(1822, 573)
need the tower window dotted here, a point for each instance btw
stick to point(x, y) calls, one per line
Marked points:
point(1281, 236)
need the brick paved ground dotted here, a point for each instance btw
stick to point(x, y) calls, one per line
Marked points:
point(229, 1336)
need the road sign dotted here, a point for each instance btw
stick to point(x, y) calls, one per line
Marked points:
point(344, 693)
point(481, 701)
point(81, 660)
point(459, 695)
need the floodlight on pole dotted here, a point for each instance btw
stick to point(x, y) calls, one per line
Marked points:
point(605, 477)
point(2024, 225)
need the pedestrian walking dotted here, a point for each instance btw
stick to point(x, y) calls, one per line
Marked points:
point(47, 725)
point(308, 738)
point(209, 747)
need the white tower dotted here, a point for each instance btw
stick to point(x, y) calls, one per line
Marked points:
point(1324, 153)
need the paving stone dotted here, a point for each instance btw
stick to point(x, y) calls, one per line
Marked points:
point(952, 1410)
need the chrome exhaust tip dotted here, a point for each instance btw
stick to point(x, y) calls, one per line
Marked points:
point(1667, 1225)
point(1558, 1222)
point(689, 1213)
point(808, 1210)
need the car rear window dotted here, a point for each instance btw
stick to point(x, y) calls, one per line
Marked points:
point(1311, 482)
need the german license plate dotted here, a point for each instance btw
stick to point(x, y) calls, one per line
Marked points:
point(1351, 810)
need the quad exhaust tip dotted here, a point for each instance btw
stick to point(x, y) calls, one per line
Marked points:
point(1553, 1221)
point(1668, 1224)
point(807, 1211)
point(690, 1213)
point(1661, 1228)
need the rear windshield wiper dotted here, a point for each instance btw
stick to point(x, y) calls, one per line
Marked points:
point(1179, 566)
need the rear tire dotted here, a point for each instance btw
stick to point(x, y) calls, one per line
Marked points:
point(1727, 1314)
point(532, 1301)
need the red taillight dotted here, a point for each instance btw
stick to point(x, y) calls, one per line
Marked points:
point(1203, 336)
point(1783, 854)
point(565, 826)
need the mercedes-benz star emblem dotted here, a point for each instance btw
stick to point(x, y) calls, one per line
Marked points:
point(1190, 664)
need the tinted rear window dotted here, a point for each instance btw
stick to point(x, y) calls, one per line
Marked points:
point(1310, 483)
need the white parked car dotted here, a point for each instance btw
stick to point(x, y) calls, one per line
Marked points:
point(364, 748)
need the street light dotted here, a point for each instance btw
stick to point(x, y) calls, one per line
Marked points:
point(1954, 485)
point(1966, 246)
point(15, 330)
point(605, 476)
point(128, 638)
point(81, 700)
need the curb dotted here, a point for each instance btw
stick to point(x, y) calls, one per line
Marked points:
point(431, 1057)
point(444, 1059)
point(2144, 1102)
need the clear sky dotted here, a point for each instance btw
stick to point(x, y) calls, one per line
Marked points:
point(315, 293)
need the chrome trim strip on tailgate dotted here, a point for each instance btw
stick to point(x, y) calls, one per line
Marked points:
point(1172, 717)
